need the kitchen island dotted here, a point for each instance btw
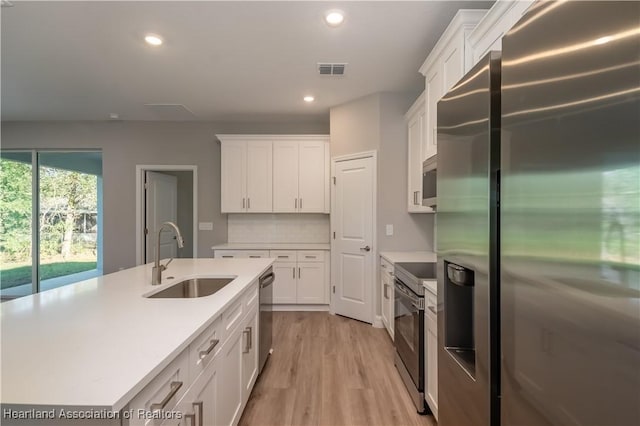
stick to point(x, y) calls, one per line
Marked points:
point(98, 347)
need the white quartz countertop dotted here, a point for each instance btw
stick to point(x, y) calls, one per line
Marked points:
point(97, 343)
point(272, 246)
point(409, 256)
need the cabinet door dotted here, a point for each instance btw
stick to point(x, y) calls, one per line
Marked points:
point(249, 354)
point(259, 176)
point(285, 176)
point(452, 65)
point(415, 140)
point(312, 176)
point(384, 290)
point(233, 177)
point(434, 93)
point(311, 283)
point(284, 286)
point(229, 399)
point(387, 302)
point(432, 366)
point(199, 404)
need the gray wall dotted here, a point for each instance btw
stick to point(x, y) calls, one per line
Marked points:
point(126, 144)
point(411, 231)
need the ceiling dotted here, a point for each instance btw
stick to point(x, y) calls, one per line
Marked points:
point(224, 61)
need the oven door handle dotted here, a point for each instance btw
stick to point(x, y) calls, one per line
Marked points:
point(416, 302)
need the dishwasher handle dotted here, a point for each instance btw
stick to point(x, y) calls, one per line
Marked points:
point(267, 279)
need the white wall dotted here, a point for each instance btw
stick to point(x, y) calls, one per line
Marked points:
point(126, 144)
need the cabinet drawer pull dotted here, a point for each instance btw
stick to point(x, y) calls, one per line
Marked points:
point(300, 203)
point(243, 203)
point(310, 257)
point(248, 203)
point(175, 386)
point(227, 257)
point(255, 256)
point(214, 343)
point(299, 274)
point(386, 296)
point(283, 257)
point(296, 204)
point(200, 406)
point(294, 272)
point(247, 345)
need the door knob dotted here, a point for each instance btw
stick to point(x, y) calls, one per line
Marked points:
point(366, 248)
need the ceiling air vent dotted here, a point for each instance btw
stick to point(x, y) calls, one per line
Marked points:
point(331, 69)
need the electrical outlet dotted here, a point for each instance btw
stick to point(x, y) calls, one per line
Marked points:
point(389, 230)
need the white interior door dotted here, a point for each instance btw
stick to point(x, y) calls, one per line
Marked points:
point(352, 251)
point(161, 205)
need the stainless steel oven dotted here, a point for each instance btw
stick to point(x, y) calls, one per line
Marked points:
point(409, 327)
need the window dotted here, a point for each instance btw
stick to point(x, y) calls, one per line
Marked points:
point(50, 219)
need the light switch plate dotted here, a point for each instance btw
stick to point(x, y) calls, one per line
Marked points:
point(389, 230)
point(205, 226)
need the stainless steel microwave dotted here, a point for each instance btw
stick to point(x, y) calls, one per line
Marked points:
point(429, 175)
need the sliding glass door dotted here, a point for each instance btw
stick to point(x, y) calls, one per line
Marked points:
point(64, 233)
point(16, 220)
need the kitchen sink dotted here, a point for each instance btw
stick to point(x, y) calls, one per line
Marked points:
point(195, 287)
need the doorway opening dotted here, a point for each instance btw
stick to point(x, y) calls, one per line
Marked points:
point(166, 193)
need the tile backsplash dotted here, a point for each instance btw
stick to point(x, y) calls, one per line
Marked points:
point(278, 228)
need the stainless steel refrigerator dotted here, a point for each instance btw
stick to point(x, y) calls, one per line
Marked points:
point(539, 224)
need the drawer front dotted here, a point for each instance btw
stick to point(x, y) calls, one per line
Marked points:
point(205, 348)
point(232, 316)
point(283, 255)
point(250, 296)
point(167, 388)
point(310, 256)
point(228, 254)
point(256, 254)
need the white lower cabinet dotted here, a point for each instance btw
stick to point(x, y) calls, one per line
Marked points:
point(285, 286)
point(249, 355)
point(210, 382)
point(229, 400)
point(431, 352)
point(301, 277)
point(387, 292)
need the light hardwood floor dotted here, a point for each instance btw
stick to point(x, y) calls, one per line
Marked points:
point(329, 370)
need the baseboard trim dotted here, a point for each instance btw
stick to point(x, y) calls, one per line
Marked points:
point(302, 308)
point(377, 322)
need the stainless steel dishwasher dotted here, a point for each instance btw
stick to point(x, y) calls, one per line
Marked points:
point(265, 337)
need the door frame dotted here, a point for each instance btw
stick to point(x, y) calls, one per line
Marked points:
point(376, 320)
point(140, 219)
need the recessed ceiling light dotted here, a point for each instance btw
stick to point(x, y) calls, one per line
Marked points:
point(153, 39)
point(334, 18)
point(309, 98)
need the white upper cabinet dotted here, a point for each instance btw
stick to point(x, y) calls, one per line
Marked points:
point(488, 33)
point(313, 177)
point(285, 176)
point(233, 177)
point(416, 121)
point(246, 176)
point(259, 176)
point(275, 173)
point(449, 60)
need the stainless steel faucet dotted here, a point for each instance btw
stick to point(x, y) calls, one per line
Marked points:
point(156, 271)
